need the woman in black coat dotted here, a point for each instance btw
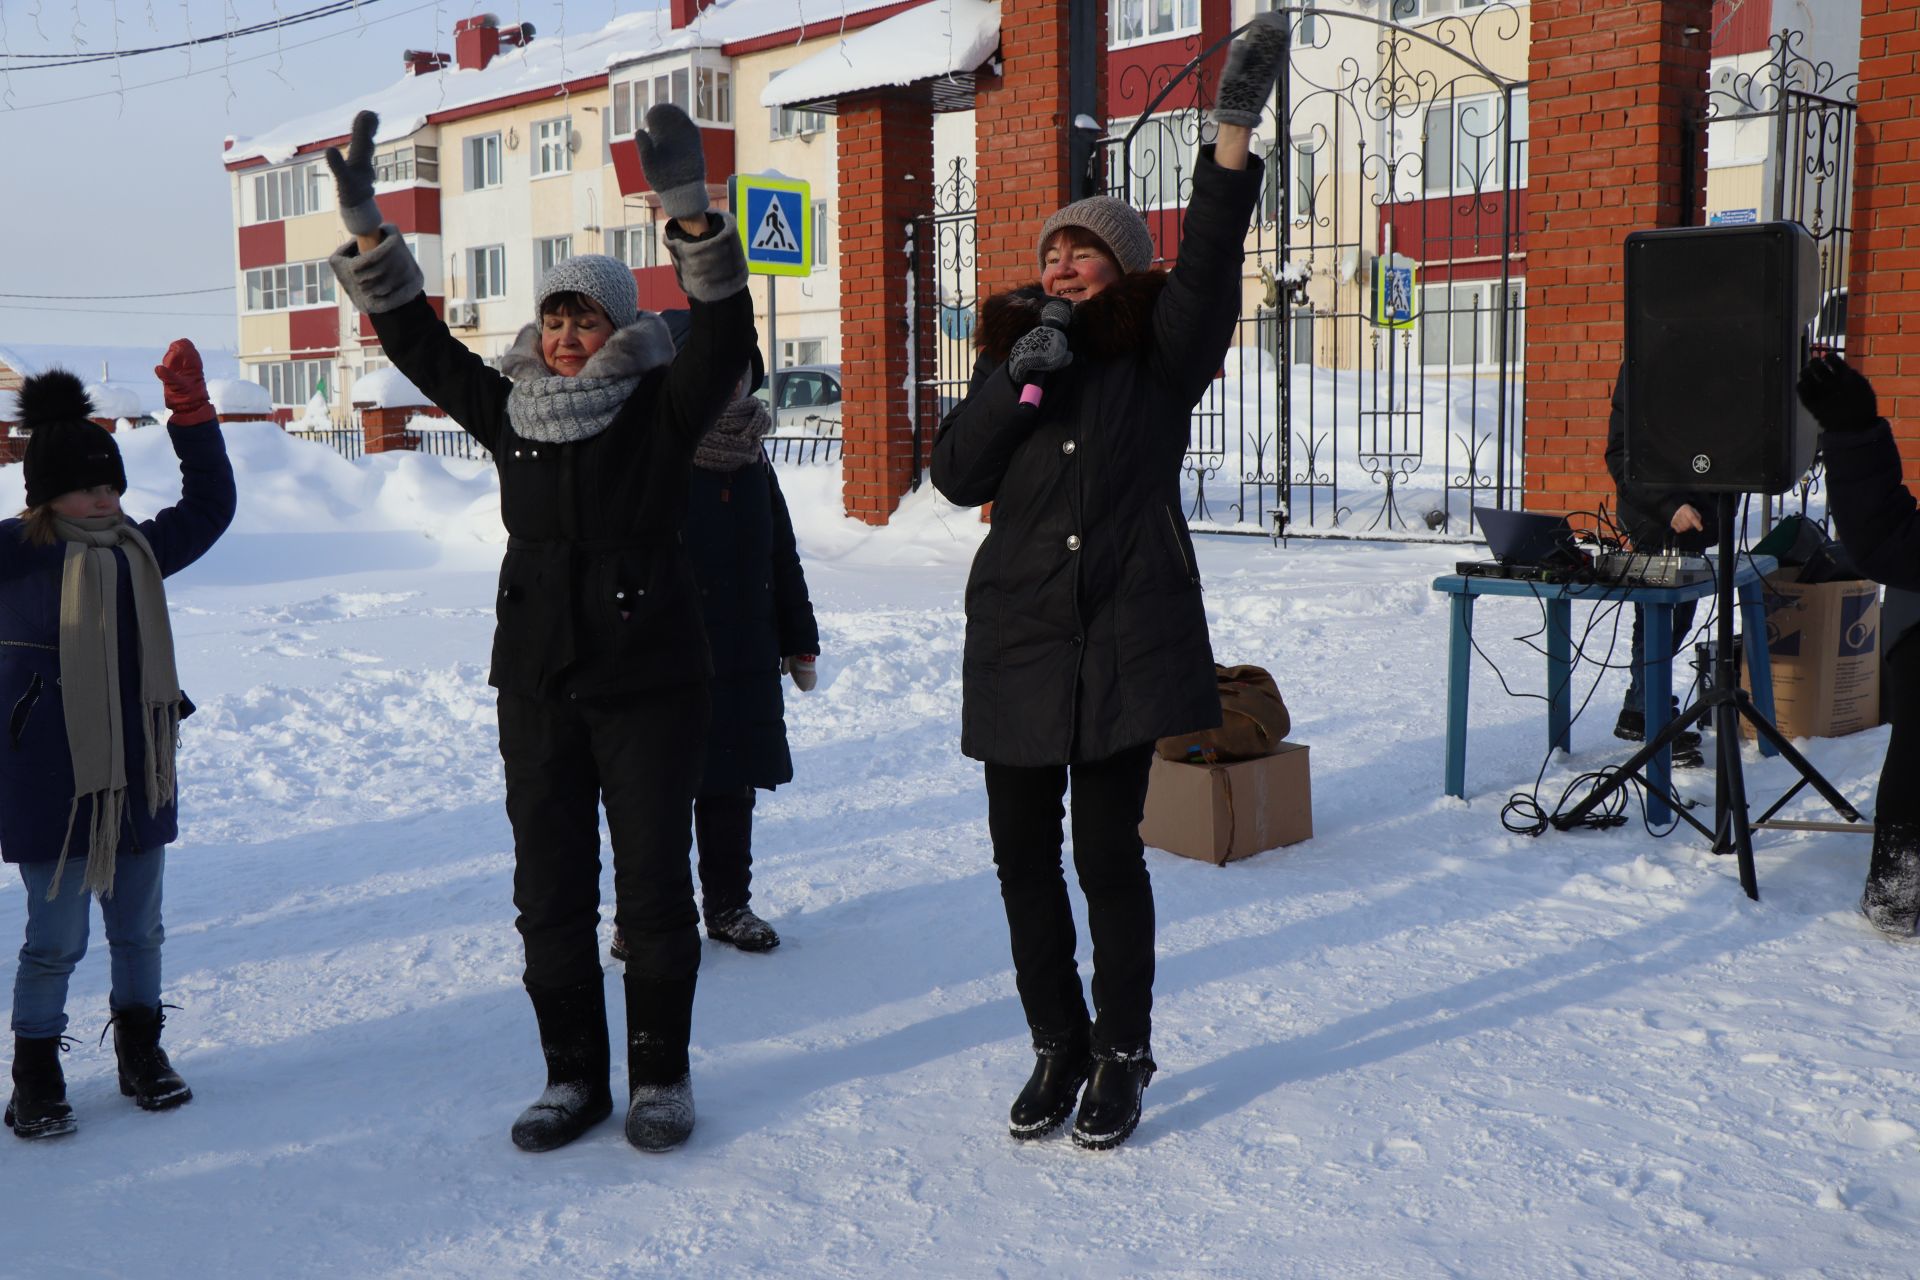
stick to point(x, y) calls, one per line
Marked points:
point(1879, 524)
point(1086, 636)
point(599, 653)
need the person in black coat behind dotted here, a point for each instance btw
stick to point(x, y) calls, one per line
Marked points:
point(599, 654)
point(1879, 525)
point(1655, 519)
point(760, 625)
point(1086, 637)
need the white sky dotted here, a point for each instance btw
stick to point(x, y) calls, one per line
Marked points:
point(125, 194)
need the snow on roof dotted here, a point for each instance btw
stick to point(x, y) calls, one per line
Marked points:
point(125, 369)
point(387, 388)
point(9, 407)
point(115, 400)
point(940, 38)
point(546, 63)
point(238, 395)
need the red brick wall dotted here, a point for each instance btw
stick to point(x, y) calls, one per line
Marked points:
point(1611, 86)
point(885, 145)
point(1883, 304)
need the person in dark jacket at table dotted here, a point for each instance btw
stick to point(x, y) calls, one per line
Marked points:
point(89, 798)
point(760, 626)
point(1656, 519)
point(1879, 525)
point(1086, 637)
point(599, 654)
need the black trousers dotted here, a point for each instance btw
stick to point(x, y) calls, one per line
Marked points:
point(1024, 814)
point(641, 756)
point(723, 827)
point(1899, 798)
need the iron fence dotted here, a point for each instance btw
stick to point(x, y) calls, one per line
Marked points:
point(346, 442)
point(803, 450)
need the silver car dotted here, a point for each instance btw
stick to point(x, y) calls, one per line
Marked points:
point(805, 399)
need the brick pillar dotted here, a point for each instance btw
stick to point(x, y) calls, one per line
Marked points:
point(1023, 120)
point(885, 141)
point(385, 430)
point(1883, 292)
point(1611, 88)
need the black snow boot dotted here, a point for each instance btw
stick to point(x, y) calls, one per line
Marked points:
point(1060, 1063)
point(1892, 896)
point(145, 1074)
point(660, 1087)
point(618, 949)
point(743, 929)
point(573, 1038)
point(1110, 1106)
point(38, 1107)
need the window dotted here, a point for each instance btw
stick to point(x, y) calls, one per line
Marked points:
point(1136, 21)
point(1412, 10)
point(549, 253)
point(1161, 156)
point(483, 161)
point(638, 247)
point(1305, 167)
point(712, 95)
point(1466, 144)
point(293, 382)
point(487, 272)
point(287, 193)
point(294, 284)
point(787, 122)
point(1463, 324)
point(820, 258)
point(412, 163)
point(552, 146)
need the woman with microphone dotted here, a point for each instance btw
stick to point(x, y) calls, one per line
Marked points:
point(1086, 636)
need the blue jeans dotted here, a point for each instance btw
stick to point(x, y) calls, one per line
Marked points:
point(57, 938)
point(1682, 625)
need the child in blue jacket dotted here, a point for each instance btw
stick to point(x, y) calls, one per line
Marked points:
point(87, 787)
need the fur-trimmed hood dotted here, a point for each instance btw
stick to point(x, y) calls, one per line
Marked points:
point(1113, 324)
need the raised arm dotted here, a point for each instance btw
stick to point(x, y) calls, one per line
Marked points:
point(1874, 512)
point(182, 533)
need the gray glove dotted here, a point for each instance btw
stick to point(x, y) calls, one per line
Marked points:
point(674, 161)
point(1040, 350)
point(1252, 64)
point(353, 177)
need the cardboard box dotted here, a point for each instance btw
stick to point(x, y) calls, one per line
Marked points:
point(1824, 642)
point(1221, 812)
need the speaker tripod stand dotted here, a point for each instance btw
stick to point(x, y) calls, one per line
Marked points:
point(1725, 704)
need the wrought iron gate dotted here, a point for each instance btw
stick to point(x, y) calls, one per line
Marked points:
point(1375, 383)
point(945, 305)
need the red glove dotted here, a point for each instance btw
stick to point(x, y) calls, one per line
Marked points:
point(185, 384)
point(800, 667)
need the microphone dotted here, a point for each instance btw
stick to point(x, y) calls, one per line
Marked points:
point(1056, 315)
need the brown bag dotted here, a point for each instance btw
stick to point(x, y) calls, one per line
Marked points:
point(1254, 721)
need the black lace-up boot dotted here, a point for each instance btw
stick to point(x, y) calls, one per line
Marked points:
point(38, 1107)
point(145, 1074)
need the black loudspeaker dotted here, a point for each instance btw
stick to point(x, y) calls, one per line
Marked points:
point(1717, 332)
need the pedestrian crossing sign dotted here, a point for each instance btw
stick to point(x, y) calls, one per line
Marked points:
point(776, 225)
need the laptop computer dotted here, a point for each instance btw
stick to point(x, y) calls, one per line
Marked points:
point(1529, 538)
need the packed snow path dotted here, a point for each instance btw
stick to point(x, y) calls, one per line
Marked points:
point(1415, 1046)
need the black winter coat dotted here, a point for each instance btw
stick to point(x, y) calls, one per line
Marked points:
point(1646, 511)
point(754, 597)
point(1085, 628)
point(596, 593)
point(1877, 519)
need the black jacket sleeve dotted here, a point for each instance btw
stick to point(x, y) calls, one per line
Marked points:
point(1193, 319)
point(979, 435)
point(473, 393)
point(792, 610)
point(1873, 511)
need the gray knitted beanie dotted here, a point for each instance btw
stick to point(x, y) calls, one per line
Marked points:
point(608, 281)
point(1117, 223)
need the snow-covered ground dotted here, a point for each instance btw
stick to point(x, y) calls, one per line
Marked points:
point(1413, 1046)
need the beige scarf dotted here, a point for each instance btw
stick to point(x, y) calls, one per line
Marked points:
point(90, 684)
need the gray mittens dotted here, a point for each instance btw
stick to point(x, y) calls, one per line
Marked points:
point(674, 161)
point(1252, 65)
point(353, 177)
point(1039, 350)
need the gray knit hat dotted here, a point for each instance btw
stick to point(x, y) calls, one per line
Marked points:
point(1117, 223)
point(608, 281)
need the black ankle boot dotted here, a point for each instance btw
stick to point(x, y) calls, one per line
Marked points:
point(659, 1086)
point(38, 1107)
point(1110, 1106)
point(1060, 1062)
point(1891, 899)
point(1631, 726)
point(145, 1074)
point(740, 927)
point(573, 1039)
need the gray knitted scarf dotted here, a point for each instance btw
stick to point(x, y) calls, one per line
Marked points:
point(90, 684)
point(735, 438)
point(546, 407)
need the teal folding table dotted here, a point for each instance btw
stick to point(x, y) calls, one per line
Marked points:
point(1557, 599)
